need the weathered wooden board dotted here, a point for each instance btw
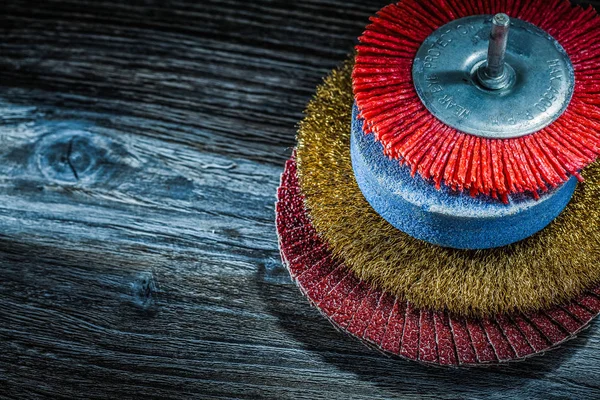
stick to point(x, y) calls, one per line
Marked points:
point(140, 149)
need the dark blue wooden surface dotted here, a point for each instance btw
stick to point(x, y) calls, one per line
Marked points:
point(141, 147)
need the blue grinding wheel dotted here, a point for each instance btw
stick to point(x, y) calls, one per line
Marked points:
point(445, 217)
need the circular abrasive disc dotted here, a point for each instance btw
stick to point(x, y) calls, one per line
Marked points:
point(393, 325)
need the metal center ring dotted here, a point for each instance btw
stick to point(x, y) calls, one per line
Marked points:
point(445, 77)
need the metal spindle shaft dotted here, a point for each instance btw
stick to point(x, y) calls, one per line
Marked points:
point(497, 48)
point(495, 74)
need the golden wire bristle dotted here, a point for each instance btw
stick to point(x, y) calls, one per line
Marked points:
point(547, 269)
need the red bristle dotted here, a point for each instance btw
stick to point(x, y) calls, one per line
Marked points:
point(383, 51)
point(589, 138)
point(464, 163)
point(552, 161)
point(429, 158)
point(458, 7)
point(562, 143)
point(527, 176)
point(417, 121)
point(409, 144)
point(491, 166)
point(473, 180)
point(480, 5)
point(384, 99)
point(442, 14)
point(385, 115)
point(388, 127)
point(530, 157)
point(415, 13)
point(513, 175)
point(537, 157)
point(441, 157)
point(471, 7)
point(420, 149)
point(451, 164)
point(455, 10)
point(564, 156)
point(393, 27)
point(497, 167)
point(518, 7)
point(385, 38)
point(487, 181)
point(391, 90)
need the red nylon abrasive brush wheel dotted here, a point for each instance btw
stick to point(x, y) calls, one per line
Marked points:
point(393, 325)
point(533, 162)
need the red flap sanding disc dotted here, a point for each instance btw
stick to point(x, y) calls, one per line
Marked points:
point(395, 326)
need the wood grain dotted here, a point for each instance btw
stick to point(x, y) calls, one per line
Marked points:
point(141, 147)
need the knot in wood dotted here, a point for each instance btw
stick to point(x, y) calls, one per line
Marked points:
point(71, 156)
point(144, 291)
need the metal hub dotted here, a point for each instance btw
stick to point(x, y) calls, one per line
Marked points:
point(499, 85)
